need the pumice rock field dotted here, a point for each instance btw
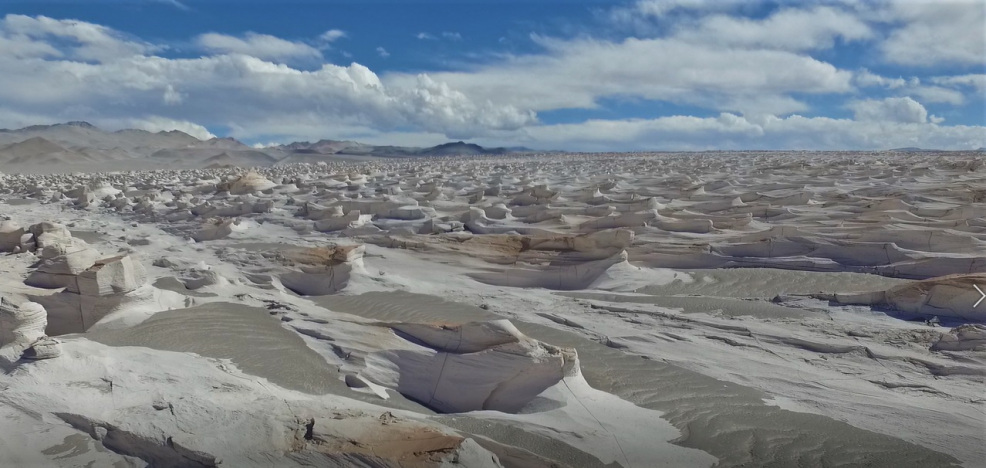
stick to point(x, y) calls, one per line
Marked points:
point(637, 310)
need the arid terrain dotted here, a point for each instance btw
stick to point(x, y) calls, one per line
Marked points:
point(519, 310)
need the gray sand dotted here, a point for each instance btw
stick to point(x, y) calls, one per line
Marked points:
point(729, 421)
point(765, 283)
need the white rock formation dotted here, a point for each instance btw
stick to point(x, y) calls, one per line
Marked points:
point(21, 324)
point(215, 229)
point(321, 270)
point(968, 337)
point(472, 366)
point(22, 333)
point(115, 275)
point(351, 220)
point(953, 296)
point(91, 294)
point(248, 183)
point(61, 264)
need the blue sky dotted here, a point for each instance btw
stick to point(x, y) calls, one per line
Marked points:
point(551, 74)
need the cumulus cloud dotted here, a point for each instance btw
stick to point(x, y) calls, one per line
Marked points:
point(894, 109)
point(935, 33)
point(59, 70)
point(261, 46)
point(234, 89)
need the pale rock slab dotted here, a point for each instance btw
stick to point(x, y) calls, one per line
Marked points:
point(319, 271)
point(215, 229)
point(472, 366)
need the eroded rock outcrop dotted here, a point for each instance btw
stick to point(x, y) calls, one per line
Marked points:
point(22, 333)
point(21, 324)
point(93, 293)
point(384, 441)
point(319, 271)
point(248, 183)
point(968, 337)
point(472, 366)
point(214, 229)
point(953, 296)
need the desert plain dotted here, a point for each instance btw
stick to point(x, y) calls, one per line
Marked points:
point(219, 305)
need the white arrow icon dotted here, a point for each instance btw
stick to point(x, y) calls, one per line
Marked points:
point(981, 293)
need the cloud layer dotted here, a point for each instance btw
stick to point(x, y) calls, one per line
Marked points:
point(761, 80)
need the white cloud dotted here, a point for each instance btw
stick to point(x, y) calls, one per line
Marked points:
point(175, 3)
point(59, 70)
point(913, 86)
point(262, 46)
point(894, 109)
point(935, 33)
point(228, 89)
point(728, 131)
point(865, 78)
point(25, 36)
point(452, 36)
point(656, 9)
point(786, 29)
point(424, 36)
point(938, 94)
point(171, 96)
point(383, 52)
point(332, 35)
point(157, 124)
point(576, 74)
point(974, 81)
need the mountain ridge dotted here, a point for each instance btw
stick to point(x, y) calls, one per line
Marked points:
point(79, 143)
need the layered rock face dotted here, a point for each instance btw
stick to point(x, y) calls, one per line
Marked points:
point(320, 271)
point(109, 276)
point(21, 324)
point(92, 293)
point(472, 366)
point(22, 333)
point(953, 296)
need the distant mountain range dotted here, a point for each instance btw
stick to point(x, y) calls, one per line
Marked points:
point(82, 146)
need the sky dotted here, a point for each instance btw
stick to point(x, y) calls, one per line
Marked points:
point(638, 75)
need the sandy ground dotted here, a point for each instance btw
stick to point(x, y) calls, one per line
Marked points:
point(667, 312)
